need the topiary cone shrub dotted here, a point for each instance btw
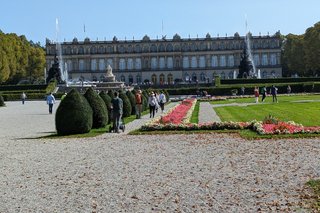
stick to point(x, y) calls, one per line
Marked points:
point(74, 115)
point(165, 92)
point(99, 109)
point(111, 94)
point(2, 101)
point(107, 100)
point(126, 104)
point(132, 100)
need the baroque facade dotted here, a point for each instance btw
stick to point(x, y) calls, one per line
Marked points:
point(163, 61)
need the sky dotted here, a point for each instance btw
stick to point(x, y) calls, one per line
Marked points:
point(128, 19)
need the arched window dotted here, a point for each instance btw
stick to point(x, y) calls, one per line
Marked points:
point(273, 59)
point(169, 63)
point(154, 63)
point(161, 79)
point(194, 62)
point(121, 49)
point(256, 59)
point(169, 48)
point(154, 79)
point(177, 48)
point(153, 48)
point(162, 48)
point(223, 75)
point(202, 62)
point(102, 64)
point(185, 62)
point(122, 64)
point(93, 64)
point(203, 77)
point(264, 74)
point(130, 63)
point(68, 50)
point(203, 46)
point(102, 78)
point(81, 51)
point(194, 77)
point(137, 48)
point(264, 59)
point(130, 49)
point(130, 79)
point(110, 62)
point(122, 78)
point(69, 65)
point(222, 61)
point(230, 75)
point(161, 63)
point(194, 47)
point(230, 61)
point(138, 64)
point(146, 48)
point(109, 49)
point(93, 50)
point(214, 61)
point(170, 78)
point(81, 65)
point(101, 49)
point(185, 47)
point(187, 77)
point(138, 79)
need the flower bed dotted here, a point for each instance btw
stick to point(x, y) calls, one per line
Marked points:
point(283, 128)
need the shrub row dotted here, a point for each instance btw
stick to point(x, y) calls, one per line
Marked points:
point(269, 80)
point(22, 87)
point(1, 101)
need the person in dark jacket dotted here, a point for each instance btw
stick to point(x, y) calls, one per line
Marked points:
point(117, 111)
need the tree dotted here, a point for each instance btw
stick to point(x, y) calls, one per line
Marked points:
point(311, 49)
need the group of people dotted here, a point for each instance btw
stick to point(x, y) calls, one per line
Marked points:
point(273, 91)
point(50, 99)
point(156, 101)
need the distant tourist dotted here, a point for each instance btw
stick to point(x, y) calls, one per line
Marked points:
point(162, 100)
point(63, 96)
point(152, 101)
point(23, 97)
point(242, 90)
point(274, 91)
point(50, 101)
point(256, 94)
point(264, 93)
point(138, 97)
point(288, 89)
point(117, 111)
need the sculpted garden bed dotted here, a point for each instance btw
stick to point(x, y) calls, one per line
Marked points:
point(178, 118)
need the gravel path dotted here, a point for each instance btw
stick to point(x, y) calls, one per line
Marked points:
point(147, 173)
point(207, 113)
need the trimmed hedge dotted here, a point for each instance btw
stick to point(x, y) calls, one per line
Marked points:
point(23, 87)
point(268, 80)
point(99, 109)
point(126, 104)
point(74, 115)
point(107, 100)
point(132, 100)
point(2, 101)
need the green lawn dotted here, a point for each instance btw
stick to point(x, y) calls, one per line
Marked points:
point(306, 113)
point(195, 113)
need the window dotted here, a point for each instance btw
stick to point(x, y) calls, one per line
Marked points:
point(202, 62)
point(130, 49)
point(162, 48)
point(193, 47)
point(130, 79)
point(256, 59)
point(185, 62)
point(138, 64)
point(264, 59)
point(102, 65)
point(138, 79)
point(203, 77)
point(187, 77)
point(273, 59)
point(81, 51)
point(121, 49)
point(170, 78)
point(122, 64)
point(194, 62)
point(264, 74)
point(130, 64)
point(93, 50)
point(223, 75)
point(222, 61)
point(194, 77)
point(69, 65)
point(122, 78)
point(154, 63)
point(146, 48)
point(169, 48)
point(154, 79)
point(110, 62)
point(230, 75)
point(177, 48)
point(230, 61)
point(161, 79)
point(153, 48)
point(101, 49)
point(93, 64)
point(109, 49)
point(214, 61)
point(137, 49)
point(161, 63)
point(169, 63)
point(81, 64)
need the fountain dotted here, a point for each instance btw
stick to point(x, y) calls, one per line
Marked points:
point(259, 74)
point(252, 73)
point(63, 66)
point(109, 82)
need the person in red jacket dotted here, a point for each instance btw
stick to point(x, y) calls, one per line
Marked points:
point(138, 97)
point(256, 94)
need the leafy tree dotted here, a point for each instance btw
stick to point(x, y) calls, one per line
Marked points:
point(312, 49)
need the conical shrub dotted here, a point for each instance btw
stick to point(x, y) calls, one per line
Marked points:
point(2, 101)
point(165, 92)
point(132, 100)
point(144, 103)
point(126, 104)
point(99, 109)
point(74, 115)
point(107, 100)
point(111, 94)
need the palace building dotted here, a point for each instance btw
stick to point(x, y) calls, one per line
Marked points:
point(163, 61)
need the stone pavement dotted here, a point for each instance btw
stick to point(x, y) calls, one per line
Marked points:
point(207, 113)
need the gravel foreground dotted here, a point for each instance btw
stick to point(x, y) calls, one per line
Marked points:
point(155, 173)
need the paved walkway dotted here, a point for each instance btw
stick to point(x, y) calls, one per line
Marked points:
point(207, 113)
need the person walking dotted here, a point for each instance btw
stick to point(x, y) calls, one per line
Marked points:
point(274, 91)
point(288, 89)
point(138, 97)
point(256, 94)
point(23, 97)
point(117, 111)
point(162, 100)
point(152, 101)
point(50, 101)
point(264, 93)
